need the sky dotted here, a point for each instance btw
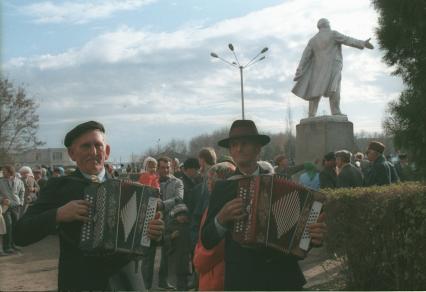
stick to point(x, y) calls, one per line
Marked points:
point(143, 67)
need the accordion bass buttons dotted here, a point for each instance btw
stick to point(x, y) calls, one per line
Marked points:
point(88, 226)
point(313, 217)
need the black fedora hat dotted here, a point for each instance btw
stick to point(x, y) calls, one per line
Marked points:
point(244, 129)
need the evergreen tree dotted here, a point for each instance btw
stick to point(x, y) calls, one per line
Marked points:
point(402, 35)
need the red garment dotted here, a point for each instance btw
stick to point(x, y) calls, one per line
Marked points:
point(149, 179)
point(210, 264)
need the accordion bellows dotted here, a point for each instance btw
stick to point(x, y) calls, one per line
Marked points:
point(118, 217)
point(278, 212)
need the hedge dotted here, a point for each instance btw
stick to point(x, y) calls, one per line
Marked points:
point(380, 233)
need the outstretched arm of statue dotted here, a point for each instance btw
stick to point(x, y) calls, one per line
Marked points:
point(368, 45)
point(349, 41)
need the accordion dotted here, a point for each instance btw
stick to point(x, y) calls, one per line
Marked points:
point(118, 217)
point(279, 212)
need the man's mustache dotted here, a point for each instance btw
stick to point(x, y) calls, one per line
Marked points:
point(94, 158)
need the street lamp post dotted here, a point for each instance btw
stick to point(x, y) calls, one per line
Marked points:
point(236, 64)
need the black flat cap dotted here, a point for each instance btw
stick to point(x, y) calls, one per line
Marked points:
point(80, 130)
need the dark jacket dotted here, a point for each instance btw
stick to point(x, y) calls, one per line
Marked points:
point(180, 247)
point(200, 191)
point(328, 178)
point(349, 177)
point(248, 268)
point(76, 271)
point(378, 173)
point(189, 198)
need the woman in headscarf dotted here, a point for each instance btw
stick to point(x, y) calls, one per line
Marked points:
point(209, 263)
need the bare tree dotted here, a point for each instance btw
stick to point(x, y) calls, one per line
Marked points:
point(175, 147)
point(280, 143)
point(208, 140)
point(18, 121)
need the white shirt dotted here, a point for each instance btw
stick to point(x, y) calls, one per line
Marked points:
point(101, 176)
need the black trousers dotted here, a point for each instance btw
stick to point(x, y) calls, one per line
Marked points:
point(164, 265)
point(182, 282)
point(263, 276)
point(148, 260)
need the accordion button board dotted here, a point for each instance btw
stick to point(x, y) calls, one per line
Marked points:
point(87, 227)
point(150, 215)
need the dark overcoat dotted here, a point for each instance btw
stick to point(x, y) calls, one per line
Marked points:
point(379, 173)
point(349, 177)
point(328, 178)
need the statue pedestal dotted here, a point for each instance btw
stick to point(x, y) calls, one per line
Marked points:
point(319, 135)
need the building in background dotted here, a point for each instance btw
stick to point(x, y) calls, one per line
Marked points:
point(52, 157)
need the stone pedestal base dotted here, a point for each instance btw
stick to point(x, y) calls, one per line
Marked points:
point(319, 135)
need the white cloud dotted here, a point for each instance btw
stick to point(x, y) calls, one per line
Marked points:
point(142, 80)
point(79, 12)
point(128, 44)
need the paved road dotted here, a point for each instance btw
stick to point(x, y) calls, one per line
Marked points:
point(35, 268)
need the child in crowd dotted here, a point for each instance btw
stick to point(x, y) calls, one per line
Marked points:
point(178, 237)
point(150, 177)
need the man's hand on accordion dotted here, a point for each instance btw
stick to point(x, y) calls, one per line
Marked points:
point(76, 210)
point(318, 230)
point(231, 211)
point(156, 227)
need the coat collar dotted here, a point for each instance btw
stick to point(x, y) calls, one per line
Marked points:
point(77, 173)
point(379, 159)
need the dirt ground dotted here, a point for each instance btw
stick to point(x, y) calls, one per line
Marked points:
point(35, 268)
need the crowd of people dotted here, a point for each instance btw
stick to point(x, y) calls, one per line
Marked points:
point(198, 210)
point(19, 189)
point(342, 169)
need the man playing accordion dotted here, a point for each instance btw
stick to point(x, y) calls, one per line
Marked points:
point(61, 209)
point(249, 268)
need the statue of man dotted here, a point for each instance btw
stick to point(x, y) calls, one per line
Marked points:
point(319, 70)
